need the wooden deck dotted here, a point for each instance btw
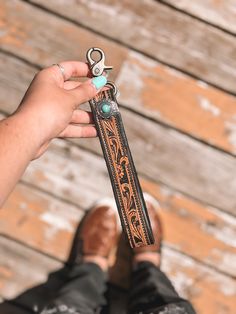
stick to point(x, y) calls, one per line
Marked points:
point(175, 66)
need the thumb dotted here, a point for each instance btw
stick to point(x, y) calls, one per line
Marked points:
point(88, 89)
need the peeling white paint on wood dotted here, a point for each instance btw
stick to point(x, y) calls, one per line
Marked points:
point(73, 183)
point(170, 36)
point(225, 260)
point(230, 129)
point(185, 284)
point(67, 214)
point(225, 233)
point(59, 223)
point(19, 259)
point(202, 84)
point(221, 13)
point(131, 92)
point(146, 62)
point(131, 81)
point(187, 275)
point(227, 218)
point(208, 106)
point(77, 176)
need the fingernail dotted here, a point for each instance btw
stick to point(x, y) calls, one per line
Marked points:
point(99, 81)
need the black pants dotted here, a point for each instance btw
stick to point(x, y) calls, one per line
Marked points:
point(151, 292)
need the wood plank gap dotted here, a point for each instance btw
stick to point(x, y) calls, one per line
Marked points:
point(195, 17)
point(172, 127)
point(142, 175)
point(25, 61)
point(115, 40)
point(169, 247)
point(161, 183)
point(173, 249)
point(173, 271)
point(52, 257)
point(191, 197)
point(146, 176)
point(157, 121)
point(47, 192)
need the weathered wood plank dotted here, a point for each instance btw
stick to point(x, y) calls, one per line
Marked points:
point(192, 280)
point(24, 34)
point(204, 223)
point(161, 32)
point(48, 225)
point(213, 231)
point(40, 221)
point(220, 13)
point(212, 112)
point(77, 176)
point(151, 89)
point(189, 166)
point(191, 106)
point(209, 292)
point(15, 77)
point(163, 143)
point(22, 269)
point(201, 232)
point(191, 172)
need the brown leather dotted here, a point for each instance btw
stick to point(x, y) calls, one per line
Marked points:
point(99, 231)
point(156, 229)
point(123, 175)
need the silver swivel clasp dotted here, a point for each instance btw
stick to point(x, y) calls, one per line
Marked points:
point(97, 67)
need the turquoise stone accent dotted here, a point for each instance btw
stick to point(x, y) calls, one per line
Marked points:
point(99, 81)
point(106, 108)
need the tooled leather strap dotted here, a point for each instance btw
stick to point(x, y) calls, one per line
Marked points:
point(124, 179)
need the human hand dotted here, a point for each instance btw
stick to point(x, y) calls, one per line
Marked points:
point(51, 103)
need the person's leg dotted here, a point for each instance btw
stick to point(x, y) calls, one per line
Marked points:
point(85, 283)
point(151, 290)
point(82, 292)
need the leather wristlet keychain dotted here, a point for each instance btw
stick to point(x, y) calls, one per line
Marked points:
point(126, 187)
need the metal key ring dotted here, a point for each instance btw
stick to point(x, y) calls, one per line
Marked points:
point(113, 86)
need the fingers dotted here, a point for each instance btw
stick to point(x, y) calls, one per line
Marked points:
point(75, 69)
point(79, 131)
point(88, 89)
point(66, 70)
point(76, 130)
point(71, 84)
point(81, 116)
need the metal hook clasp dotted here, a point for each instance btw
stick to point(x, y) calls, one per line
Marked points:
point(97, 67)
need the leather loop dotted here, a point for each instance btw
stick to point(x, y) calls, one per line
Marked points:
point(126, 187)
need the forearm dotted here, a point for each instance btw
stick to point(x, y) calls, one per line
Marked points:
point(18, 144)
point(49, 109)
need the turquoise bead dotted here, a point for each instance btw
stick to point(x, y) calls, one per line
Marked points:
point(106, 108)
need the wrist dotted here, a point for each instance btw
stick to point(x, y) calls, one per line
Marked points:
point(26, 131)
point(19, 144)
